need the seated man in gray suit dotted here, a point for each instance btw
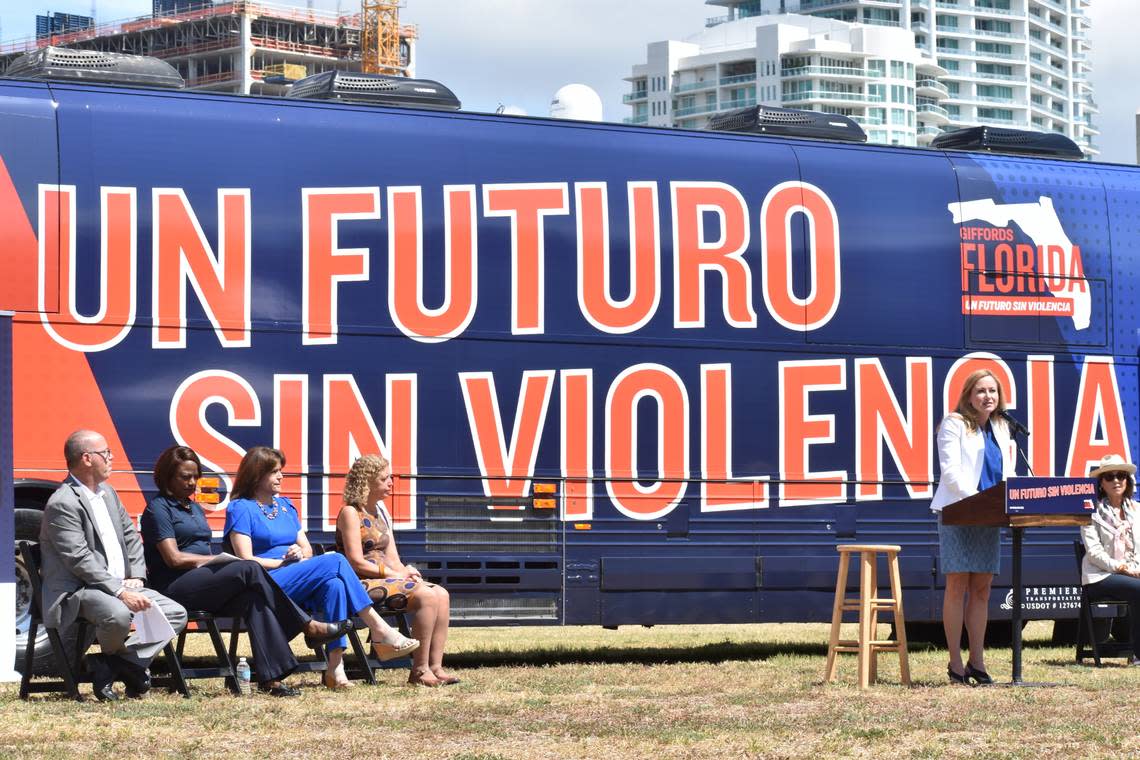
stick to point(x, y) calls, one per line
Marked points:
point(93, 569)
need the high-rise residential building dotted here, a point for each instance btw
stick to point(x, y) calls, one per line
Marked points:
point(1013, 63)
point(60, 23)
point(872, 74)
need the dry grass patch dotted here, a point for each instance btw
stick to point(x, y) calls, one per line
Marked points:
point(713, 692)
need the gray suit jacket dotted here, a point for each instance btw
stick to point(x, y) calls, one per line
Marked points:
point(73, 555)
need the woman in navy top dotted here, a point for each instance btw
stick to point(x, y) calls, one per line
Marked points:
point(180, 564)
point(974, 453)
point(264, 526)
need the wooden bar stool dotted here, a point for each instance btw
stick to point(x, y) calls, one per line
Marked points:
point(869, 604)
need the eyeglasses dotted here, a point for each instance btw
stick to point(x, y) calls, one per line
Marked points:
point(1115, 476)
point(107, 454)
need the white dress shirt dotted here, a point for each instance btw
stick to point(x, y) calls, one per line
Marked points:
point(116, 563)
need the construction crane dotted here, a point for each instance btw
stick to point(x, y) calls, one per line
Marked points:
point(380, 37)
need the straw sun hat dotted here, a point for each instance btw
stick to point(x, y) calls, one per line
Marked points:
point(1113, 463)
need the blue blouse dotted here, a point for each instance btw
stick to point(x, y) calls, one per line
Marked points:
point(992, 464)
point(271, 538)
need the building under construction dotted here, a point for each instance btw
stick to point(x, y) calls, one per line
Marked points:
point(249, 47)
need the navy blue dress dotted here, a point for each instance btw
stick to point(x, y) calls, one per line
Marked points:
point(326, 584)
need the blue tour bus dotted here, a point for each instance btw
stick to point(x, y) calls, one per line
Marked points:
point(625, 375)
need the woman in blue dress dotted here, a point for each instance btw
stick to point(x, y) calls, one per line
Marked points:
point(974, 452)
point(264, 526)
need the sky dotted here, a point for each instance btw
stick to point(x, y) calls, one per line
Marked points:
point(519, 52)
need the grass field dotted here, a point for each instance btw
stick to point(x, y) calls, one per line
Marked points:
point(749, 691)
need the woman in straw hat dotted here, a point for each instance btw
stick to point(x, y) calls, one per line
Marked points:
point(1111, 567)
point(974, 453)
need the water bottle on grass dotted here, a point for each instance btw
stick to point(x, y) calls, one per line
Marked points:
point(243, 677)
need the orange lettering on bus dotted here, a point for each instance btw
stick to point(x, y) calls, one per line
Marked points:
point(406, 275)
point(188, 423)
point(291, 436)
point(324, 263)
point(595, 299)
point(1039, 401)
point(350, 432)
point(183, 254)
point(800, 430)
point(527, 206)
point(783, 204)
point(695, 255)
point(577, 443)
point(1098, 420)
point(880, 420)
point(506, 464)
point(661, 386)
point(116, 284)
point(720, 490)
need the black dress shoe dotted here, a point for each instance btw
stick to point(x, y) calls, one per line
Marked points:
point(278, 690)
point(135, 678)
point(102, 677)
point(981, 677)
point(332, 632)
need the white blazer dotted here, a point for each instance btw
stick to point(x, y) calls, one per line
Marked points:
point(961, 455)
point(1097, 536)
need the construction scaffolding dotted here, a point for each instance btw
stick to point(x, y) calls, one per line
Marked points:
point(240, 46)
point(380, 37)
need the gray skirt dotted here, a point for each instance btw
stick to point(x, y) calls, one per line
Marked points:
point(969, 548)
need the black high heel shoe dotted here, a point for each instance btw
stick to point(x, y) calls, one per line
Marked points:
point(980, 676)
point(963, 678)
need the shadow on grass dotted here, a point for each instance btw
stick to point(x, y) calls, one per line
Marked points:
point(658, 655)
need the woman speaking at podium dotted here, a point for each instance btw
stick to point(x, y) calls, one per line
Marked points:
point(974, 453)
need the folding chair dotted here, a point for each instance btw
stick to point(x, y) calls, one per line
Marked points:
point(1088, 643)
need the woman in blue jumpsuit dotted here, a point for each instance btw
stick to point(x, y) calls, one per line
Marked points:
point(264, 526)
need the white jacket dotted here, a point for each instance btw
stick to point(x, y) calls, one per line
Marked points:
point(961, 455)
point(1097, 536)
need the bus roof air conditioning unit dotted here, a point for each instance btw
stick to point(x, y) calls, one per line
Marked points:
point(1019, 141)
point(788, 122)
point(72, 65)
point(375, 89)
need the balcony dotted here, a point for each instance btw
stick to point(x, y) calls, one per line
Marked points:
point(815, 5)
point(690, 110)
point(999, 35)
point(822, 96)
point(643, 119)
point(931, 88)
point(691, 86)
point(630, 97)
point(740, 103)
point(985, 10)
point(999, 77)
point(833, 71)
point(738, 78)
point(928, 112)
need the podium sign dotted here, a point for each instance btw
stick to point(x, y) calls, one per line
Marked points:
point(1050, 496)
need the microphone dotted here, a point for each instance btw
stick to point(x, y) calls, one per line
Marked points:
point(1014, 423)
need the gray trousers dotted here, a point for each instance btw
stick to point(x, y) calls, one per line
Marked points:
point(112, 621)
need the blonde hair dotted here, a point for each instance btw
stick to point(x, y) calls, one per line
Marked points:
point(965, 409)
point(359, 479)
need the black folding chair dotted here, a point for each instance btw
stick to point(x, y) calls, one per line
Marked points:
point(67, 667)
point(200, 621)
point(1089, 642)
point(70, 674)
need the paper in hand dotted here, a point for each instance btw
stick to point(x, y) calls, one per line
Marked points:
point(151, 626)
point(222, 559)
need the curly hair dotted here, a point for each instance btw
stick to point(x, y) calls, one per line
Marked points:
point(359, 479)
